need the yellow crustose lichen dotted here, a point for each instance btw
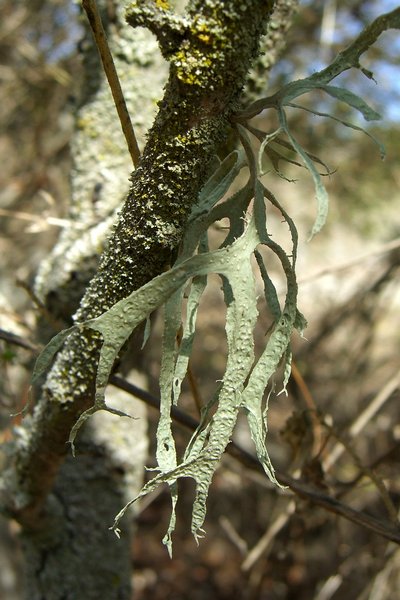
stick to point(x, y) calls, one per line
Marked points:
point(162, 4)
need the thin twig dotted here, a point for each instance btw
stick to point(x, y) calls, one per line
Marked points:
point(233, 535)
point(383, 528)
point(384, 248)
point(17, 340)
point(57, 324)
point(370, 411)
point(267, 538)
point(178, 415)
point(44, 221)
point(309, 401)
point(100, 37)
point(366, 471)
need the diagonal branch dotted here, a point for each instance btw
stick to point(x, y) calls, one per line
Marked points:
point(100, 37)
point(345, 60)
point(301, 488)
point(383, 528)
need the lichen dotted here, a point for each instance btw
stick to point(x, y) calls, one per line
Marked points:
point(162, 4)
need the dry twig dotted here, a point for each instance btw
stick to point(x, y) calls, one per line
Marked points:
point(100, 38)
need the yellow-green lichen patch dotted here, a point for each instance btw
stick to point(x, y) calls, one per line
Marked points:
point(191, 66)
point(162, 4)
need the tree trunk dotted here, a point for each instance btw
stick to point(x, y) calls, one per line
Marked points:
point(69, 551)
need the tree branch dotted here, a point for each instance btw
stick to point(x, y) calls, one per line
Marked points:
point(347, 59)
point(100, 37)
point(350, 56)
point(381, 527)
point(302, 489)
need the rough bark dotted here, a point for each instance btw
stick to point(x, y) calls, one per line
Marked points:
point(210, 49)
point(70, 553)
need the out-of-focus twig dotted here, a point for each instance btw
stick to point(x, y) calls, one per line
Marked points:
point(383, 528)
point(367, 471)
point(265, 540)
point(373, 407)
point(17, 340)
point(384, 248)
point(55, 323)
point(233, 535)
point(309, 401)
point(44, 222)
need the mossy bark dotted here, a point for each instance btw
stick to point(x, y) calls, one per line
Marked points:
point(69, 551)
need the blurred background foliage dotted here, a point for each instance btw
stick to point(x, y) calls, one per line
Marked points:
point(260, 543)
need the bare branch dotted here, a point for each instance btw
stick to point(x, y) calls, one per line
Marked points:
point(381, 527)
point(111, 73)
